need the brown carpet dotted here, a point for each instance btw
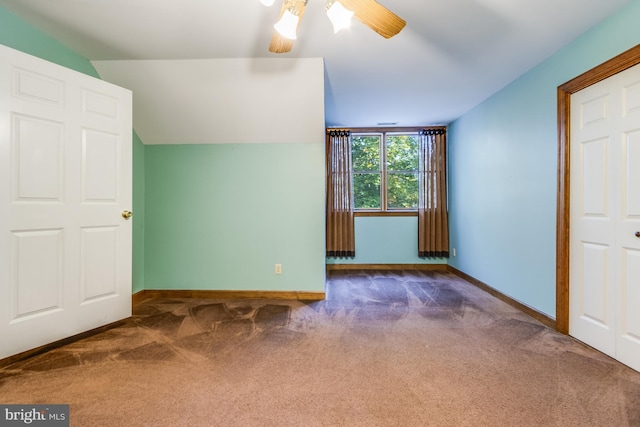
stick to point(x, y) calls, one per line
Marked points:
point(384, 349)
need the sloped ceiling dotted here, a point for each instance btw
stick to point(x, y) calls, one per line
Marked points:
point(452, 54)
point(221, 101)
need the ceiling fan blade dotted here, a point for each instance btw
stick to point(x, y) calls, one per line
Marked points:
point(375, 16)
point(280, 44)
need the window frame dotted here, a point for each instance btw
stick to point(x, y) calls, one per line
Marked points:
point(384, 130)
point(388, 173)
point(384, 172)
point(380, 171)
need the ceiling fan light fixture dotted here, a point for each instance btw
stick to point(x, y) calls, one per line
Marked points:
point(369, 12)
point(267, 2)
point(339, 15)
point(287, 25)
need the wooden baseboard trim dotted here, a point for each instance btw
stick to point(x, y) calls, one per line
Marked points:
point(539, 316)
point(221, 294)
point(423, 267)
point(138, 297)
point(57, 344)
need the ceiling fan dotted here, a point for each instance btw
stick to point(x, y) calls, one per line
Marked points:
point(369, 12)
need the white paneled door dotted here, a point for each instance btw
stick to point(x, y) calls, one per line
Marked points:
point(604, 277)
point(65, 161)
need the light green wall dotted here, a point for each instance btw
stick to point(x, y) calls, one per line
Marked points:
point(386, 240)
point(503, 170)
point(17, 34)
point(139, 213)
point(221, 216)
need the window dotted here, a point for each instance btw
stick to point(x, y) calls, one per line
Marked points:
point(385, 171)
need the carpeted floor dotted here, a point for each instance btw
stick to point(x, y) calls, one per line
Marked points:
point(384, 349)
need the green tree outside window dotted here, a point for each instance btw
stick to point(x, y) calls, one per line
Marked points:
point(385, 171)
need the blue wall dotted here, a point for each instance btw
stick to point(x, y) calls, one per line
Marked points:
point(503, 170)
point(386, 240)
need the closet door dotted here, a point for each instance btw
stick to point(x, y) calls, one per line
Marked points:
point(628, 229)
point(605, 215)
point(65, 160)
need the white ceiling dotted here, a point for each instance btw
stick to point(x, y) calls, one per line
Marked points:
point(451, 56)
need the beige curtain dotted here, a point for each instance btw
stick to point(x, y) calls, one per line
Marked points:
point(433, 224)
point(340, 235)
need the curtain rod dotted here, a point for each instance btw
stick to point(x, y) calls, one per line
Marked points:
point(386, 129)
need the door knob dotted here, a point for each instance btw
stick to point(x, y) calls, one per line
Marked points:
point(127, 214)
point(638, 234)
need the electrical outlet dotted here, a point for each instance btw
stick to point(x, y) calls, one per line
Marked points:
point(278, 269)
point(453, 251)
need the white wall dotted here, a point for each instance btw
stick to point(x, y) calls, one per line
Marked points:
point(210, 101)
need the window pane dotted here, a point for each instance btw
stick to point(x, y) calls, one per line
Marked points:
point(365, 151)
point(402, 191)
point(366, 191)
point(402, 152)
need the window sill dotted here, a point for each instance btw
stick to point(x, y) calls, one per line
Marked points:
point(386, 213)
